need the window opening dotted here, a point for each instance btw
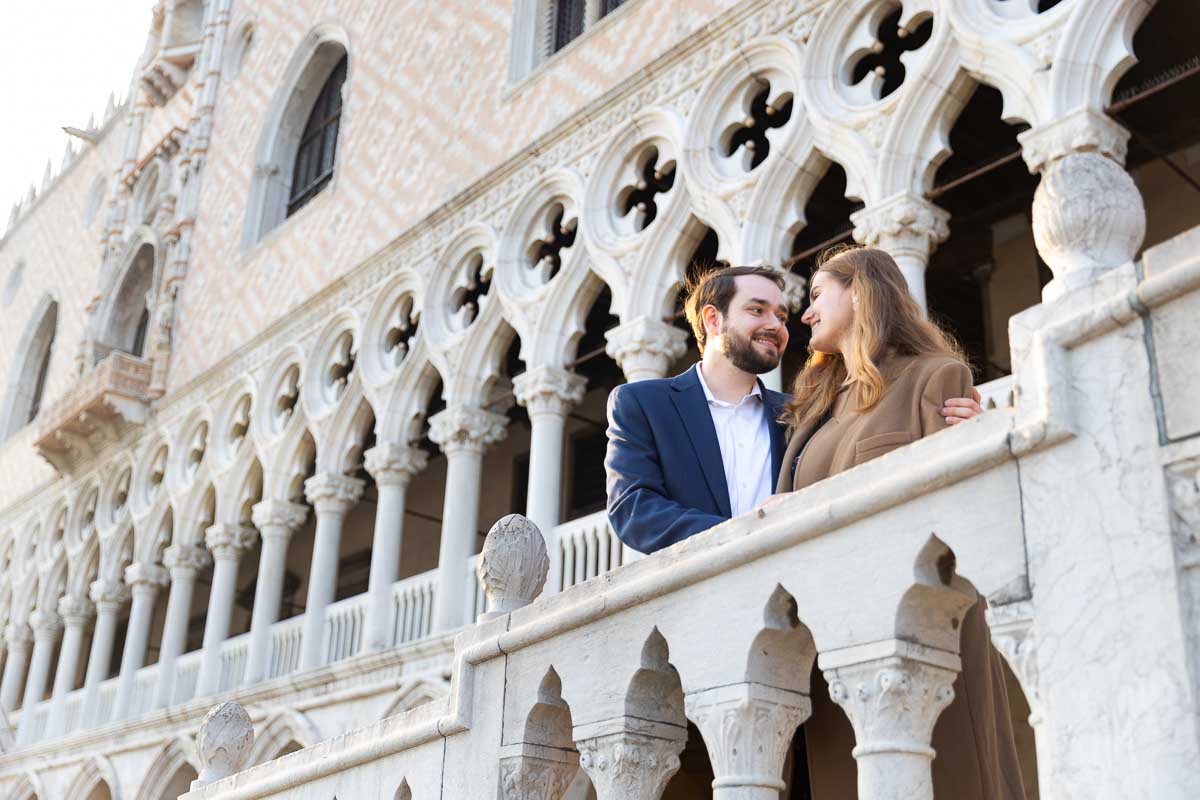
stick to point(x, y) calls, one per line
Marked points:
point(317, 153)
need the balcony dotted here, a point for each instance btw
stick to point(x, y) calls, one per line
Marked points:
point(107, 401)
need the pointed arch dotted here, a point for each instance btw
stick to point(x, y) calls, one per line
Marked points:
point(96, 774)
point(415, 694)
point(27, 377)
point(281, 734)
point(125, 313)
point(172, 771)
point(29, 787)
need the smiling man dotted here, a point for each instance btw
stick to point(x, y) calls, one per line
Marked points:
point(689, 452)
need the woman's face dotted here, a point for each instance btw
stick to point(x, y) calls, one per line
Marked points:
point(830, 313)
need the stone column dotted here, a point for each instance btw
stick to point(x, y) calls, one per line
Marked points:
point(629, 758)
point(747, 728)
point(1088, 215)
point(893, 692)
point(144, 581)
point(183, 562)
point(1013, 635)
point(226, 543)
point(548, 394)
point(908, 227)
point(393, 467)
point(276, 521)
point(76, 612)
point(463, 434)
point(331, 496)
point(46, 627)
point(20, 641)
point(645, 347)
point(108, 596)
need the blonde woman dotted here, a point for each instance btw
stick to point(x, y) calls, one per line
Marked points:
point(876, 378)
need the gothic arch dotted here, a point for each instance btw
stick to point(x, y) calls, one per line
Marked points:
point(94, 774)
point(27, 376)
point(303, 78)
point(416, 694)
point(169, 771)
point(125, 311)
point(281, 730)
point(29, 787)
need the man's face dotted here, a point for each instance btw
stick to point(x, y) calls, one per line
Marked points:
point(753, 333)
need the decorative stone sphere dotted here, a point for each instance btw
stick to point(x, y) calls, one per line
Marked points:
point(223, 743)
point(1088, 217)
point(513, 565)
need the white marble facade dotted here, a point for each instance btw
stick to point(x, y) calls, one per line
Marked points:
point(243, 421)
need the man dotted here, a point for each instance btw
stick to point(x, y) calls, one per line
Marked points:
point(689, 452)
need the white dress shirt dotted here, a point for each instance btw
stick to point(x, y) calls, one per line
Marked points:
point(745, 439)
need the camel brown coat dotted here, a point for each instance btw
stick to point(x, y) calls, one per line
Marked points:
point(976, 753)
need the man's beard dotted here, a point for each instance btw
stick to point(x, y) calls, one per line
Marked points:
point(740, 351)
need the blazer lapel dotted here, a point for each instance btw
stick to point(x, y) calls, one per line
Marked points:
point(692, 406)
point(772, 407)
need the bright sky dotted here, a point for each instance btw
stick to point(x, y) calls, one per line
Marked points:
point(59, 59)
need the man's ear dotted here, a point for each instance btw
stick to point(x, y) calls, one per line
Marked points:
point(712, 320)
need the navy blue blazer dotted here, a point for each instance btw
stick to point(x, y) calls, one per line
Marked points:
point(666, 480)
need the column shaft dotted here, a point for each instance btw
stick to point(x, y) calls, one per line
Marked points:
point(108, 598)
point(385, 564)
point(332, 496)
point(46, 627)
point(19, 642)
point(183, 562)
point(216, 627)
point(144, 581)
point(460, 525)
point(75, 612)
point(268, 594)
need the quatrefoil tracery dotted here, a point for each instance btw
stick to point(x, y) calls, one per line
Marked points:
point(878, 69)
point(239, 425)
point(337, 374)
point(750, 135)
point(641, 198)
point(545, 254)
point(470, 291)
point(401, 331)
point(288, 396)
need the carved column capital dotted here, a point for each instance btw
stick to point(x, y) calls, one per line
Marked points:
point(229, 541)
point(626, 764)
point(1082, 130)
point(45, 623)
point(395, 464)
point(19, 636)
point(645, 347)
point(459, 429)
point(75, 611)
point(140, 575)
point(183, 561)
point(747, 728)
point(1011, 626)
point(223, 743)
point(546, 390)
point(904, 224)
point(512, 565)
point(537, 773)
point(332, 493)
point(108, 595)
point(278, 518)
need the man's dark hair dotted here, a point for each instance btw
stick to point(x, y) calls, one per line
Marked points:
point(716, 288)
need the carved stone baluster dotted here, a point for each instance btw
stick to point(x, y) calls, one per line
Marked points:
point(223, 743)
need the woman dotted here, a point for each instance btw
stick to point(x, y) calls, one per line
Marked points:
point(876, 377)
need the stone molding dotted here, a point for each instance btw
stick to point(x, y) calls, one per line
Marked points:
point(1011, 625)
point(906, 224)
point(223, 743)
point(18, 636)
point(278, 518)
point(330, 493)
point(185, 560)
point(547, 390)
point(140, 575)
point(229, 541)
point(75, 610)
point(538, 773)
point(513, 565)
point(645, 348)
point(395, 464)
point(1082, 130)
point(747, 728)
point(626, 764)
point(45, 624)
point(108, 595)
point(461, 429)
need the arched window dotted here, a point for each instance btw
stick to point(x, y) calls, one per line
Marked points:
point(129, 312)
point(27, 380)
point(317, 153)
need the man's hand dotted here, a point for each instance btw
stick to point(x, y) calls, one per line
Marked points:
point(961, 409)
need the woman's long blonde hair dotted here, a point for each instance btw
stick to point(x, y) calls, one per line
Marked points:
point(886, 319)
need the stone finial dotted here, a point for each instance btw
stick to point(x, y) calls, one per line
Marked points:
point(223, 743)
point(513, 565)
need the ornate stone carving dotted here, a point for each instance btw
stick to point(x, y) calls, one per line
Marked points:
point(549, 390)
point(223, 743)
point(18, 636)
point(466, 429)
point(513, 565)
point(795, 290)
point(630, 765)
point(1088, 217)
point(278, 517)
point(75, 610)
point(229, 541)
point(332, 493)
point(139, 574)
point(905, 224)
point(185, 559)
point(645, 347)
point(1011, 626)
point(747, 728)
point(108, 595)
point(893, 697)
point(531, 777)
point(391, 463)
point(1082, 130)
point(46, 624)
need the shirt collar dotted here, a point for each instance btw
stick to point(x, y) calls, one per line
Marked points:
point(708, 395)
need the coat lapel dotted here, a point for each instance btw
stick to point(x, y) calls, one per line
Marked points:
point(773, 407)
point(692, 406)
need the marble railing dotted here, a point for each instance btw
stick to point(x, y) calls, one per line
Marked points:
point(412, 607)
point(286, 637)
point(344, 621)
point(997, 394)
